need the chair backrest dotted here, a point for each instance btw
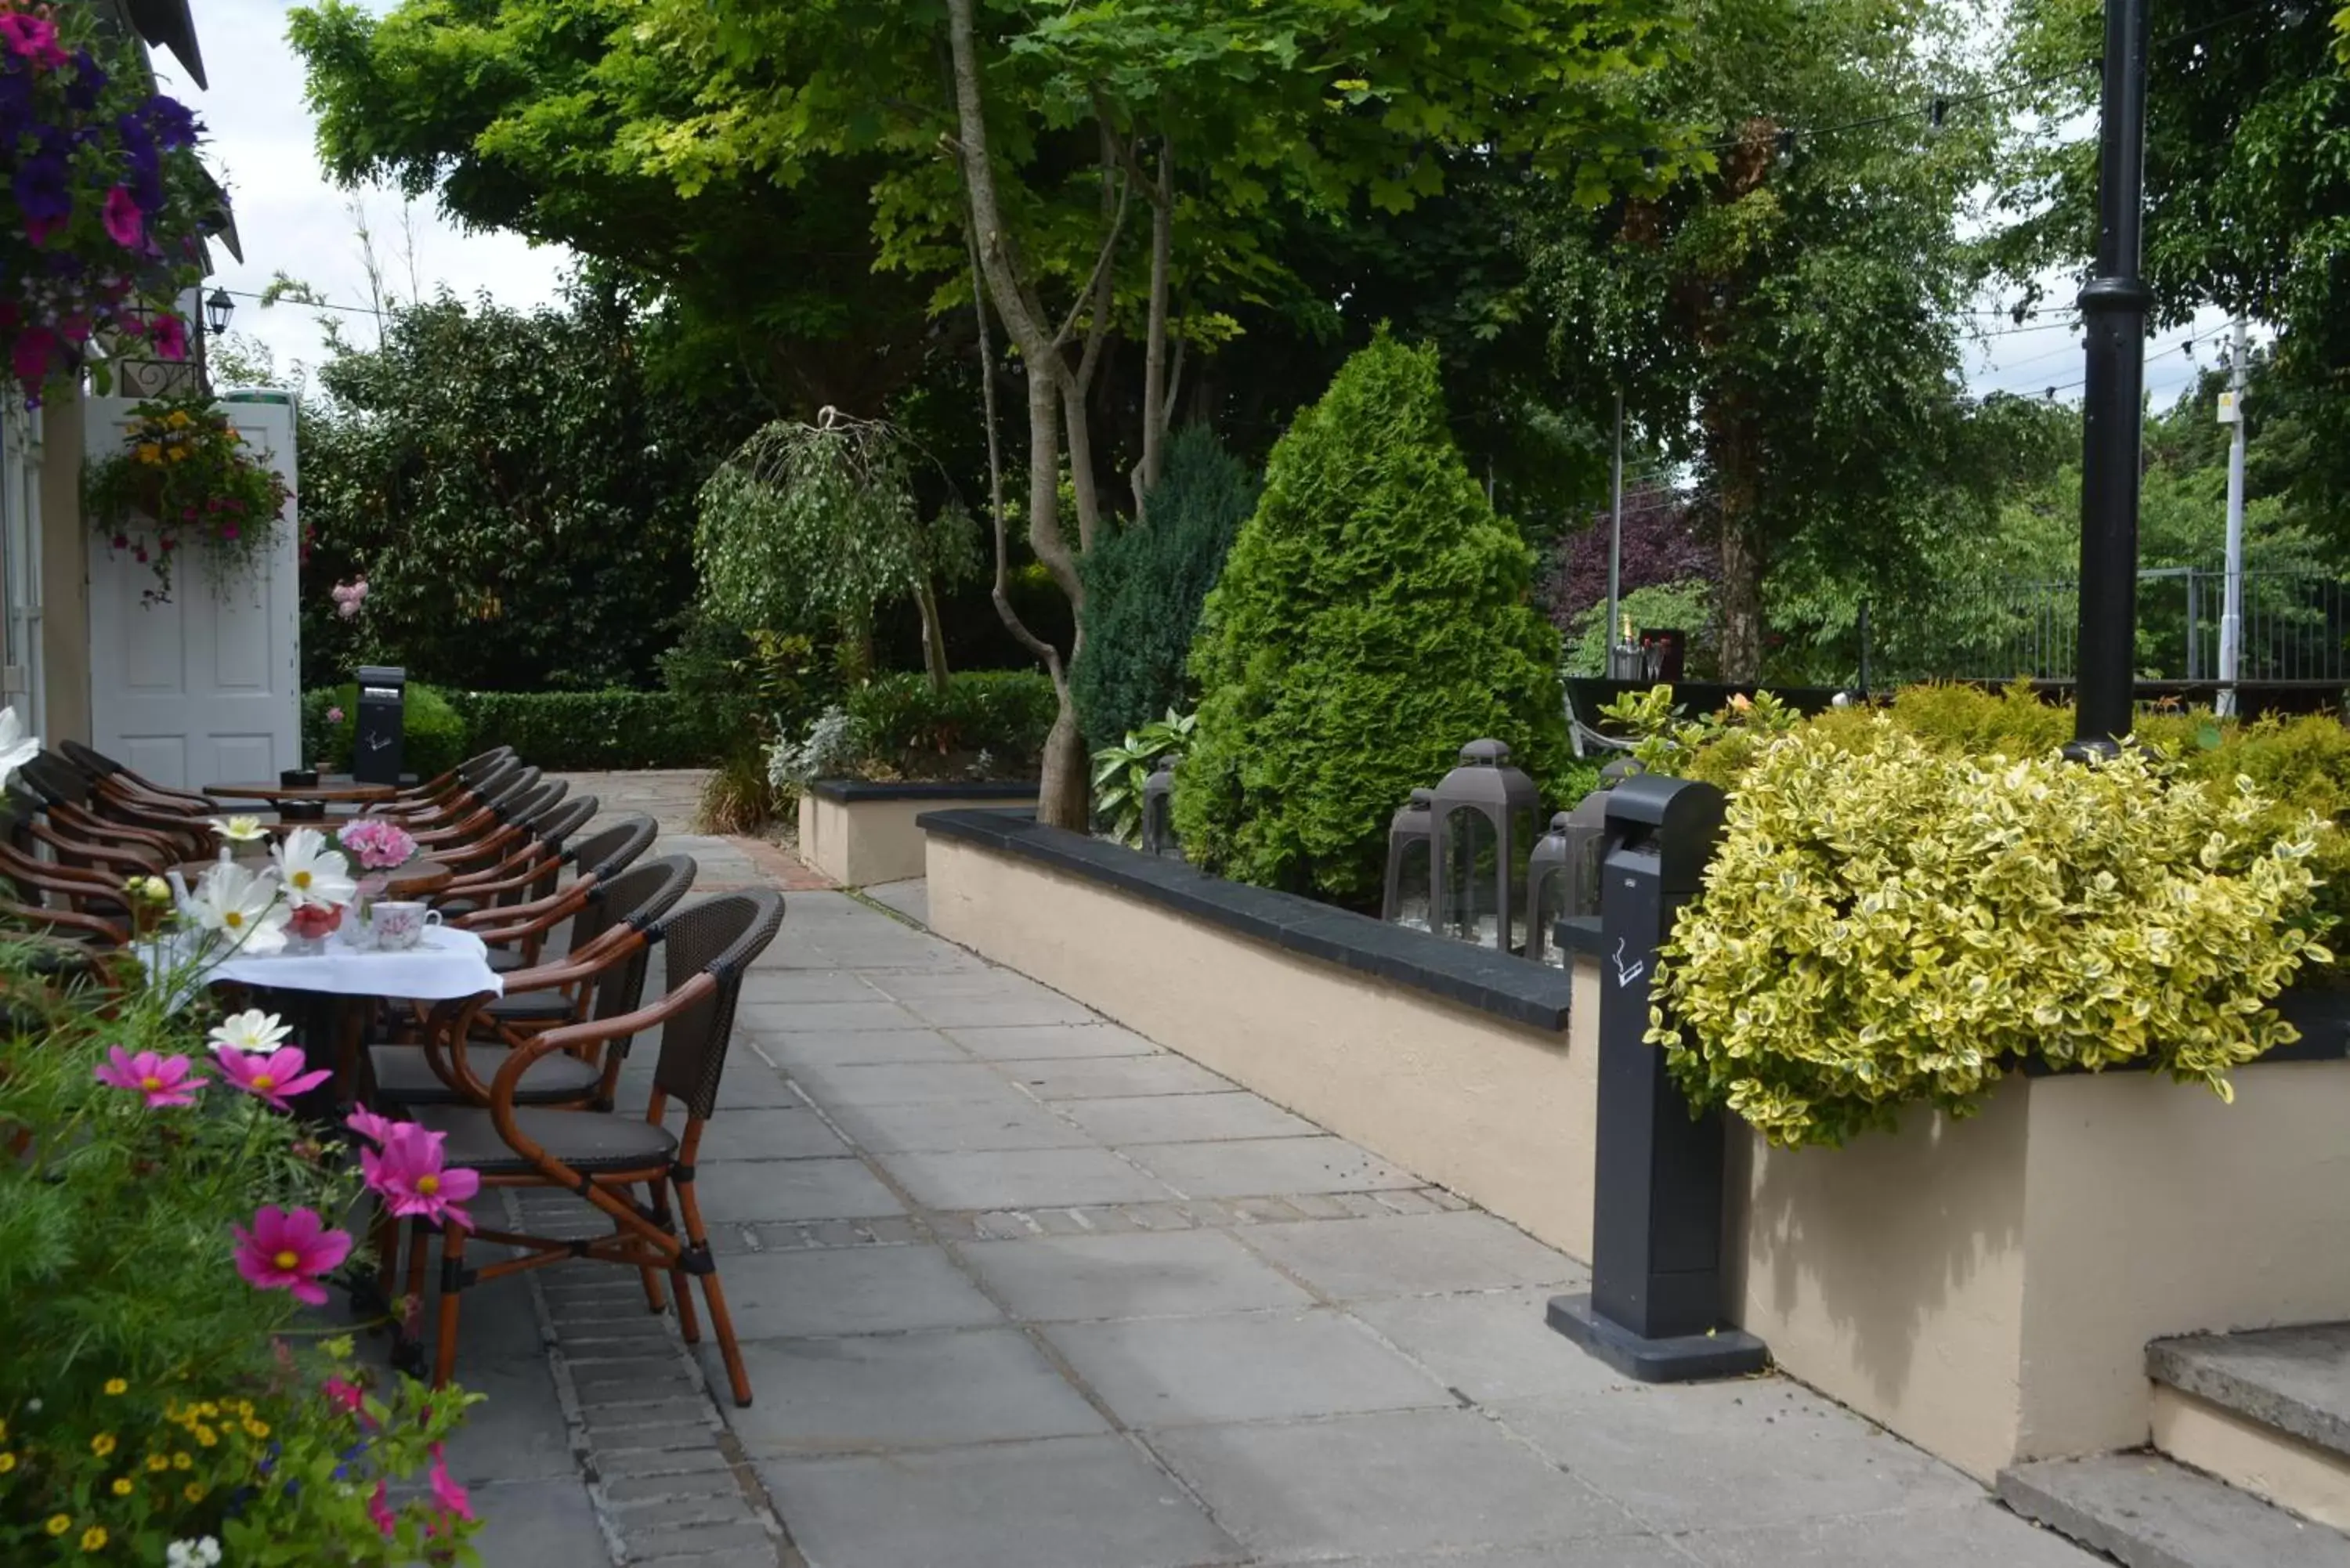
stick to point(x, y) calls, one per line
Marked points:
point(608, 851)
point(555, 828)
point(95, 763)
point(529, 808)
point(494, 779)
point(509, 787)
point(474, 769)
point(719, 937)
point(56, 780)
point(638, 897)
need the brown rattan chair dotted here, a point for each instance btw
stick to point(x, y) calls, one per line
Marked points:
point(529, 870)
point(109, 776)
point(603, 1157)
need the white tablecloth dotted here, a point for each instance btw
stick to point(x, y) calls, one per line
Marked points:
point(444, 963)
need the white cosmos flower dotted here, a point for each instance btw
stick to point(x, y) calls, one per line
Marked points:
point(240, 905)
point(239, 829)
point(202, 1553)
point(314, 874)
point(16, 748)
point(252, 1031)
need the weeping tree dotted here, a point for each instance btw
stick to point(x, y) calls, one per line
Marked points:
point(817, 525)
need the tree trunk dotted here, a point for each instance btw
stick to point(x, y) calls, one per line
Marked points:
point(1064, 797)
point(1742, 602)
point(1156, 392)
point(934, 636)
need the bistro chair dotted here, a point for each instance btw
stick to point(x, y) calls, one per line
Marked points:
point(438, 792)
point(530, 871)
point(604, 854)
point(604, 1156)
point(111, 777)
point(68, 798)
point(517, 820)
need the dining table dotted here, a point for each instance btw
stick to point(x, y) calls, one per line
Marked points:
point(334, 792)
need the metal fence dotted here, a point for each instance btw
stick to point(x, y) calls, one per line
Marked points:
point(2295, 625)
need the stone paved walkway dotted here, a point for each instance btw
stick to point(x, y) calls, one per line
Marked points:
point(1018, 1288)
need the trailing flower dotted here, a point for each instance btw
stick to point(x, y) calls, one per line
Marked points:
point(110, 200)
point(1886, 923)
point(183, 480)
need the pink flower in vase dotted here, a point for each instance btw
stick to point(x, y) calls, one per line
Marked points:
point(273, 1079)
point(380, 843)
point(166, 1081)
point(288, 1250)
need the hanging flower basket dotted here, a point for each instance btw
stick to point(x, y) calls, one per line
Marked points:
point(182, 481)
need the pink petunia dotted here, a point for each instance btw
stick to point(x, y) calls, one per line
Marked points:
point(288, 1250)
point(169, 335)
point(344, 1395)
point(274, 1079)
point(166, 1081)
point(40, 231)
point(126, 225)
point(410, 1179)
point(379, 1509)
point(29, 357)
point(445, 1489)
point(34, 37)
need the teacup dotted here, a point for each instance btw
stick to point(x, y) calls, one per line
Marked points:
point(398, 926)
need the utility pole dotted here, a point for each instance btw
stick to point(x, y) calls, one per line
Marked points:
point(2113, 306)
point(1616, 542)
point(2231, 612)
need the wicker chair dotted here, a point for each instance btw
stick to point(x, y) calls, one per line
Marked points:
point(604, 1156)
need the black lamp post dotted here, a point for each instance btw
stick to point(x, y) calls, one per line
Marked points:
point(2113, 306)
point(218, 308)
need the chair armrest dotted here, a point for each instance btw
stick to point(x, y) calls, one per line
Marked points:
point(593, 1032)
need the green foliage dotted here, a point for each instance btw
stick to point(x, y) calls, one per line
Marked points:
point(151, 1395)
point(1373, 618)
point(816, 526)
point(1144, 586)
point(739, 797)
point(1886, 922)
point(610, 729)
point(1686, 606)
point(435, 735)
point(908, 730)
point(1121, 771)
point(517, 494)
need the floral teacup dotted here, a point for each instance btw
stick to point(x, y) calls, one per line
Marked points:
point(397, 925)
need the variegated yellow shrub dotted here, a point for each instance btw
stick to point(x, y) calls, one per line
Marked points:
point(1886, 922)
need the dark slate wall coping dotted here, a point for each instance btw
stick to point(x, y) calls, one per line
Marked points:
point(1473, 977)
point(866, 789)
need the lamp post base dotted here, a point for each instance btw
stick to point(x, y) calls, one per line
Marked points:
point(1685, 1359)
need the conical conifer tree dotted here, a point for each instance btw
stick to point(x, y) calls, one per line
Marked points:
point(1374, 616)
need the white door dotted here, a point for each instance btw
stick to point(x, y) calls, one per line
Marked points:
point(206, 687)
point(22, 686)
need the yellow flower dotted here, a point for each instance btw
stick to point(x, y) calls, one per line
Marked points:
point(158, 1462)
point(180, 1461)
point(254, 1428)
point(117, 1385)
point(178, 453)
point(149, 453)
point(94, 1538)
point(102, 1445)
point(179, 418)
point(123, 1486)
point(193, 1492)
point(8, 1463)
point(59, 1523)
point(206, 1436)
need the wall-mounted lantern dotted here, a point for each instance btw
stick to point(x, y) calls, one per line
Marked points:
point(1483, 827)
point(1410, 877)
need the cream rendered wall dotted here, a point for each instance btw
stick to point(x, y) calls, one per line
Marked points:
point(65, 574)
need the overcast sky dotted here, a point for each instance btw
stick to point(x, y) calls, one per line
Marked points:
point(291, 220)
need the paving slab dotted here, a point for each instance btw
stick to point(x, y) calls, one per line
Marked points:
point(877, 1012)
point(1184, 1118)
point(1405, 1481)
point(1150, 1273)
point(1247, 1167)
point(1768, 1451)
point(985, 1010)
point(851, 1290)
point(1413, 1255)
point(1602, 1552)
point(1001, 1119)
point(1970, 1536)
point(2146, 1512)
point(766, 989)
point(1060, 1502)
point(538, 1524)
point(993, 983)
point(768, 1133)
point(1489, 1345)
point(1242, 1367)
point(902, 1391)
point(1106, 1077)
point(1024, 1178)
point(910, 898)
point(896, 1083)
point(846, 1047)
point(733, 1192)
point(1040, 1042)
point(2296, 1380)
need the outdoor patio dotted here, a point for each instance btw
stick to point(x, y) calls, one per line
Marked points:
point(1018, 1287)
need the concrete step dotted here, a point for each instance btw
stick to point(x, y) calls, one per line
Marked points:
point(2266, 1411)
point(2147, 1511)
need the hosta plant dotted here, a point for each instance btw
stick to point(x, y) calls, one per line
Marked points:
point(1885, 923)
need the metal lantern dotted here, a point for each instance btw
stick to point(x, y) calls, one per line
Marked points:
point(1159, 810)
point(1410, 881)
point(1563, 873)
point(1483, 825)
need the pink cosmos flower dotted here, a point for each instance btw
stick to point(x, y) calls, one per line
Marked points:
point(445, 1489)
point(380, 843)
point(166, 1081)
point(379, 1509)
point(274, 1079)
point(376, 1129)
point(410, 1179)
point(125, 225)
point(34, 37)
point(288, 1250)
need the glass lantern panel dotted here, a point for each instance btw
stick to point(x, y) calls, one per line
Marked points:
point(1473, 905)
point(1413, 890)
point(1526, 832)
point(1550, 904)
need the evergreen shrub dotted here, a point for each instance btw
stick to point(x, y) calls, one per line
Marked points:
point(1373, 617)
point(1144, 585)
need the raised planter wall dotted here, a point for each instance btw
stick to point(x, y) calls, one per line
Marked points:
point(1468, 1068)
point(860, 833)
point(1986, 1288)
